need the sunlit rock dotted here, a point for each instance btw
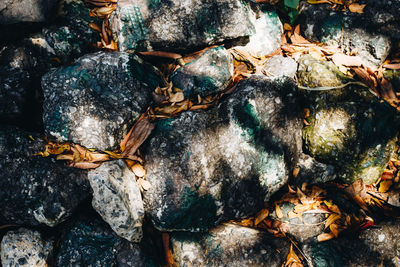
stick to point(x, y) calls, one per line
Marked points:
point(16, 11)
point(36, 190)
point(117, 198)
point(223, 163)
point(25, 248)
point(95, 100)
point(229, 245)
point(210, 73)
point(348, 127)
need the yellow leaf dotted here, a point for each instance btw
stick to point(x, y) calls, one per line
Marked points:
point(278, 212)
point(357, 8)
point(331, 219)
point(261, 215)
point(384, 186)
point(325, 237)
point(113, 154)
point(65, 157)
point(334, 229)
point(176, 97)
point(292, 259)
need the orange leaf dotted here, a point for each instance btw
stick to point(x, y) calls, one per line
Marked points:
point(393, 66)
point(161, 54)
point(278, 212)
point(384, 186)
point(325, 237)
point(261, 215)
point(357, 8)
point(331, 219)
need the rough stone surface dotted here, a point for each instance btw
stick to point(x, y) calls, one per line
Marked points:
point(280, 66)
point(377, 246)
point(268, 31)
point(89, 241)
point(95, 100)
point(179, 25)
point(208, 74)
point(348, 128)
point(312, 171)
point(35, 190)
point(117, 198)
point(352, 32)
point(15, 11)
point(222, 164)
point(229, 245)
point(25, 248)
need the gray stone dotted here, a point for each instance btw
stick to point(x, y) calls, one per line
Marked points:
point(348, 127)
point(35, 190)
point(312, 171)
point(224, 163)
point(89, 241)
point(179, 25)
point(229, 245)
point(352, 32)
point(117, 198)
point(210, 73)
point(280, 66)
point(95, 100)
point(15, 11)
point(375, 246)
point(25, 248)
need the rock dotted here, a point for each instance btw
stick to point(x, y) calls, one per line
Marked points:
point(268, 31)
point(185, 24)
point(35, 190)
point(25, 248)
point(72, 37)
point(89, 241)
point(394, 77)
point(224, 163)
point(280, 66)
point(375, 246)
point(95, 100)
point(117, 198)
point(352, 32)
point(312, 171)
point(15, 11)
point(348, 128)
point(21, 66)
point(229, 245)
point(210, 73)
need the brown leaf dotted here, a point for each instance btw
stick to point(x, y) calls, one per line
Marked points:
point(331, 219)
point(278, 212)
point(387, 90)
point(84, 165)
point(139, 133)
point(167, 250)
point(345, 60)
point(393, 66)
point(138, 170)
point(292, 259)
point(261, 215)
point(325, 237)
point(161, 54)
point(384, 186)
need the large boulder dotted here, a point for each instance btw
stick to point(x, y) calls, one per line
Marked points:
point(15, 11)
point(348, 127)
point(375, 246)
point(25, 248)
point(95, 100)
point(89, 241)
point(117, 198)
point(362, 34)
point(222, 164)
point(186, 25)
point(36, 190)
point(229, 245)
point(210, 73)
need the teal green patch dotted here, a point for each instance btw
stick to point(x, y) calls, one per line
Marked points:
point(325, 255)
point(144, 72)
point(207, 24)
point(332, 28)
point(134, 28)
point(153, 4)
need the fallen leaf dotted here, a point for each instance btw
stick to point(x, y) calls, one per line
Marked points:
point(331, 219)
point(176, 97)
point(261, 215)
point(393, 66)
point(139, 133)
point(84, 165)
point(278, 212)
point(384, 186)
point(345, 60)
point(138, 170)
point(161, 54)
point(325, 237)
point(292, 259)
point(357, 8)
point(146, 185)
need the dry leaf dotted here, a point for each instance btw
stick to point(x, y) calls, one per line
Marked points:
point(292, 259)
point(393, 66)
point(325, 237)
point(144, 184)
point(161, 54)
point(139, 133)
point(84, 165)
point(345, 60)
point(331, 219)
point(384, 186)
point(176, 97)
point(278, 212)
point(261, 215)
point(138, 170)
point(357, 8)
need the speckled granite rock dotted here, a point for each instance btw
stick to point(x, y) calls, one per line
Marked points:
point(15, 11)
point(179, 25)
point(25, 248)
point(222, 164)
point(89, 241)
point(210, 73)
point(229, 245)
point(280, 66)
point(268, 31)
point(95, 100)
point(376, 246)
point(364, 34)
point(117, 198)
point(349, 128)
point(35, 190)
point(312, 171)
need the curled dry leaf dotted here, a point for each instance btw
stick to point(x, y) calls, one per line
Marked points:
point(325, 237)
point(357, 8)
point(138, 170)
